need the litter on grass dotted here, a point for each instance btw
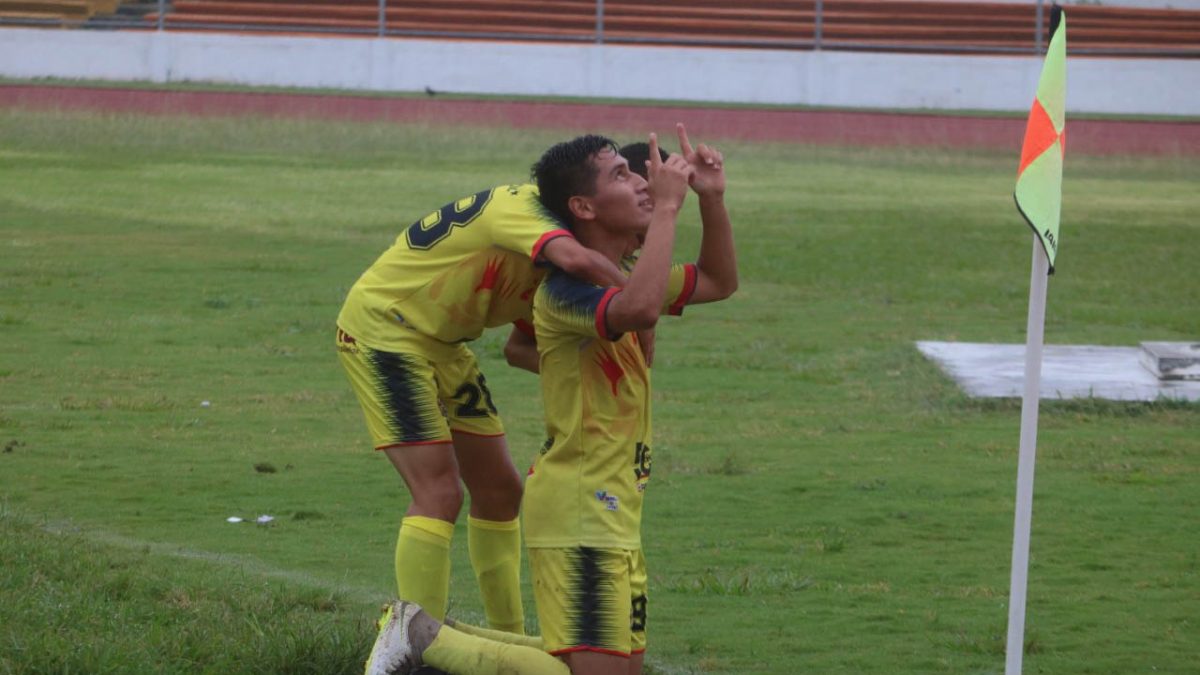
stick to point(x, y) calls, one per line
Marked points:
point(261, 520)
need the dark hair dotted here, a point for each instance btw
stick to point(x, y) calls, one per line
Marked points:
point(637, 154)
point(567, 170)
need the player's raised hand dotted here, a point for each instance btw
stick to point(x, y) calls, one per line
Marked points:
point(708, 165)
point(668, 180)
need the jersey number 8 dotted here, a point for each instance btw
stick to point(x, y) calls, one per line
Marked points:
point(428, 231)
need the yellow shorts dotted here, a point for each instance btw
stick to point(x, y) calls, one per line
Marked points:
point(416, 397)
point(590, 599)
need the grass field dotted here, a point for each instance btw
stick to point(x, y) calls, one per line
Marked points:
point(823, 499)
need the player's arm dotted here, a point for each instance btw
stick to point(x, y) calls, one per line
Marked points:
point(640, 303)
point(517, 227)
point(646, 340)
point(521, 349)
point(581, 262)
point(716, 266)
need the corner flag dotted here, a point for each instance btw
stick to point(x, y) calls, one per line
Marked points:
point(1039, 177)
point(1039, 199)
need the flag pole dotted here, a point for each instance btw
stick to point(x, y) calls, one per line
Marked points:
point(1034, 331)
point(1038, 196)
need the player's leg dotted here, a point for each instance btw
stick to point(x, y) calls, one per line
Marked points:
point(460, 653)
point(596, 663)
point(410, 637)
point(534, 641)
point(487, 469)
point(493, 527)
point(423, 544)
point(583, 605)
point(592, 662)
point(638, 584)
point(399, 399)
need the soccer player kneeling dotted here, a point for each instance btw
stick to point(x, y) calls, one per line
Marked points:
point(583, 498)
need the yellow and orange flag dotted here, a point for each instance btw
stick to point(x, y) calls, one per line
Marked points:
point(1039, 178)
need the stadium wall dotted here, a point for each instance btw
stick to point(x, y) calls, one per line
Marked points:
point(822, 78)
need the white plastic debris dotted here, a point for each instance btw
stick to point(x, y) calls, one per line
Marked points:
point(233, 519)
point(263, 520)
point(205, 404)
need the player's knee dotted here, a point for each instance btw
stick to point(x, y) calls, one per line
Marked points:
point(502, 494)
point(441, 499)
point(512, 492)
point(510, 488)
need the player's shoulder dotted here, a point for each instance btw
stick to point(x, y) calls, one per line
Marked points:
point(499, 196)
point(515, 192)
point(559, 289)
point(558, 280)
point(519, 202)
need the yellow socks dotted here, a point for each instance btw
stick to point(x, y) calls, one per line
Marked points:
point(423, 567)
point(456, 652)
point(534, 641)
point(423, 563)
point(495, 549)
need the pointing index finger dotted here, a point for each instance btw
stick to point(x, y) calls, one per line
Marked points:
point(683, 140)
point(655, 158)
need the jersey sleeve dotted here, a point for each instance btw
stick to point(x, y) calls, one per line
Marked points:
point(573, 306)
point(680, 287)
point(526, 226)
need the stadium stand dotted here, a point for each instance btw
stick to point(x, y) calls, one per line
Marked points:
point(930, 26)
point(57, 12)
point(885, 25)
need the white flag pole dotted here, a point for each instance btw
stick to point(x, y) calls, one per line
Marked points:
point(1029, 419)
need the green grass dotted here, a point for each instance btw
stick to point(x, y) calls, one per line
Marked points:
point(72, 605)
point(823, 500)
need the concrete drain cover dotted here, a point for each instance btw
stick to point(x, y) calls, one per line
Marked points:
point(1072, 371)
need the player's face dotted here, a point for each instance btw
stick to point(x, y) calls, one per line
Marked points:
point(622, 198)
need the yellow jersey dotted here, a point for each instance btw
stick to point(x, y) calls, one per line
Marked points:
point(461, 269)
point(586, 486)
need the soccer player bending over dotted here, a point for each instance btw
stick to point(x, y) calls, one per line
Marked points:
point(583, 498)
point(401, 334)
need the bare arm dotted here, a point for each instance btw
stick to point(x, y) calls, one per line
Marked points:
point(716, 266)
point(521, 350)
point(581, 262)
point(646, 341)
point(638, 306)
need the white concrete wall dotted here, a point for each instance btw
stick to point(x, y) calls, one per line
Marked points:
point(837, 79)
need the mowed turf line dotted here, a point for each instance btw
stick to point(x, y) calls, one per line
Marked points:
point(823, 499)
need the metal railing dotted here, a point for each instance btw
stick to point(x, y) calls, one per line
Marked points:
point(159, 15)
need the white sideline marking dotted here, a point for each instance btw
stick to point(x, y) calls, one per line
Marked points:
point(248, 564)
point(360, 593)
